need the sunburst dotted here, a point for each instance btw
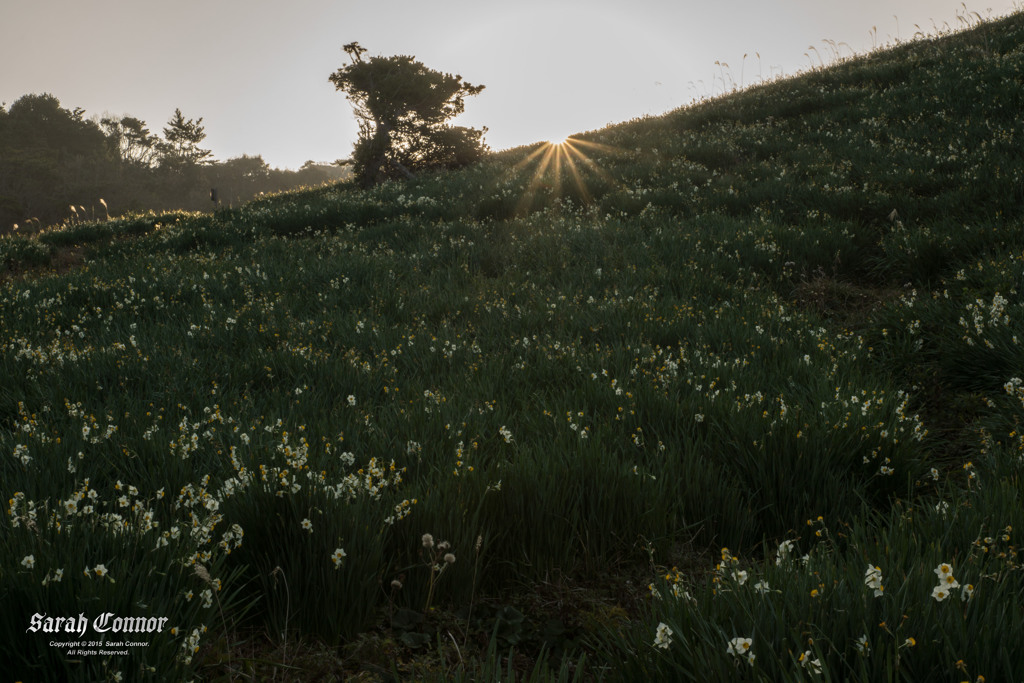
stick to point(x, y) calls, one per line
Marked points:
point(571, 154)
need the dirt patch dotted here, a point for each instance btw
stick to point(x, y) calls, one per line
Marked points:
point(846, 302)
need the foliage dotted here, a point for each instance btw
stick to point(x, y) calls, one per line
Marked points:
point(58, 167)
point(403, 107)
point(604, 359)
point(180, 148)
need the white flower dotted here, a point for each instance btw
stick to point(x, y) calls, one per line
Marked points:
point(449, 558)
point(813, 664)
point(966, 593)
point(762, 587)
point(100, 570)
point(940, 593)
point(945, 573)
point(337, 557)
point(29, 561)
point(740, 577)
point(663, 636)
point(307, 525)
point(862, 645)
point(782, 554)
point(428, 541)
point(873, 580)
point(506, 434)
point(740, 647)
point(351, 400)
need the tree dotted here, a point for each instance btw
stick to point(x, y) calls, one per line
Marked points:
point(403, 108)
point(131, 140)
point(180, 147)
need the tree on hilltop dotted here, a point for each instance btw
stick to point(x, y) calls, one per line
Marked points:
point(403, 108)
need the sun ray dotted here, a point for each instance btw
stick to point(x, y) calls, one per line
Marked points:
point(563, 169)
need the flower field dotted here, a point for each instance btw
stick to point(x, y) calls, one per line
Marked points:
point(761, 357)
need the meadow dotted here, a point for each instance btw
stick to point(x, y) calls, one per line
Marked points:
point(733, 393)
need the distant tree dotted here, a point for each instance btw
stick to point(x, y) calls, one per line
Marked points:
point(403, 108)
point(50, 158)
point(131, 140)
point(180, 147)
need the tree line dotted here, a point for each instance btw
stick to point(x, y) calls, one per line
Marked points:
point(56, 165)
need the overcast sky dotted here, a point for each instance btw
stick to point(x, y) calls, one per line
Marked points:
point(256, 71)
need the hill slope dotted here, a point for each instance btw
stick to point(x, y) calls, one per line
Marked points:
point(786, 321)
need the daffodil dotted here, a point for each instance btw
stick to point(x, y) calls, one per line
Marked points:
point(663, 636)
point(873, 580)
point(740, 647)
point(813, 665)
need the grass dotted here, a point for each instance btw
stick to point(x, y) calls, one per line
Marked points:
point(789, 316)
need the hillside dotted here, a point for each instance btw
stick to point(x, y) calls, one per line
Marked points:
point(749, 370)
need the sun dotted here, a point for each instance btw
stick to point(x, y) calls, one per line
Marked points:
point(559, 138)
point(563, 167)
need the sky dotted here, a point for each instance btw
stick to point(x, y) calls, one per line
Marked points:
point(256, 71)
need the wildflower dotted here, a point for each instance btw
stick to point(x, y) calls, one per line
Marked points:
point(506, 434)
point(396, 584)
point(337, 557)
point(967, 592)
point(940, 593)
point(100, 570)
point(663, 637)
point(740, 647)
point(863, 646)
point(307, 525)
point(909, 642)
point(29, 561)
point(873, 580)
point(740, 577)
point(945, 574)
point(762, 587)
point(785, 548)
point(428, 541)
point(813, 664)
point(449, 558)
point(351, 400)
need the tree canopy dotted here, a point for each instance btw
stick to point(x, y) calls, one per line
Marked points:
point(403, 109)
point(53, 158)
point(181, 142)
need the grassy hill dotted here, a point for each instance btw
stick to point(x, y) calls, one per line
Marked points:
point(752, 369)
